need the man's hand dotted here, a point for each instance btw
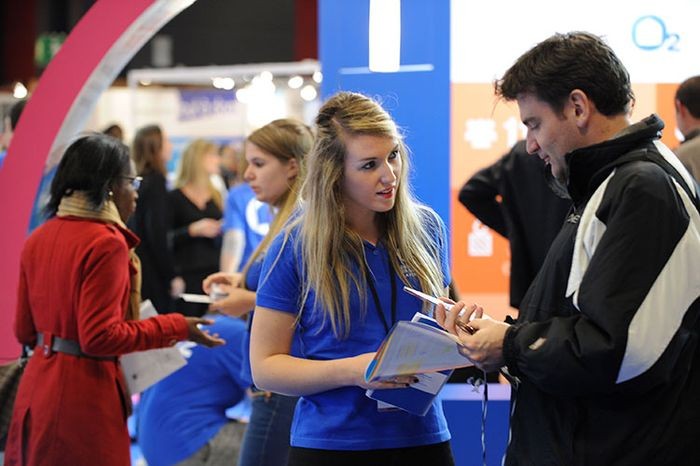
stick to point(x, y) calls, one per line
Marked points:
point(483, 347)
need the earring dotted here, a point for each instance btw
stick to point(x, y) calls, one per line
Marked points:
point(110, 194)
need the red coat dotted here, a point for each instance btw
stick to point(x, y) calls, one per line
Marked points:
point(74, 283)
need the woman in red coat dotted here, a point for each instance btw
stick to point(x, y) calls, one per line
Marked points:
point(78, 308)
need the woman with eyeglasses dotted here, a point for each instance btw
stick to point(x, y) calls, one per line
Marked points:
point(78, 307)
point(151, 152)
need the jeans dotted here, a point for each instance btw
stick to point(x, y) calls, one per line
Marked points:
point(222, 450)
point(266, 440)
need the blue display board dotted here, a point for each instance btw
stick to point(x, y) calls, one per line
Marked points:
point(418, 96)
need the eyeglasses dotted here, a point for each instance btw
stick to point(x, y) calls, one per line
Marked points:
point(135, 181)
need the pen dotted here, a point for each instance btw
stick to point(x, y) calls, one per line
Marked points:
point(448, 307)
point(465, 327)
point(426, 297)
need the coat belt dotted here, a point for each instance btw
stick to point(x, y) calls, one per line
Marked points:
point(52, 344)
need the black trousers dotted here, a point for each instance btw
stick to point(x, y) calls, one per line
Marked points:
point(439, 454)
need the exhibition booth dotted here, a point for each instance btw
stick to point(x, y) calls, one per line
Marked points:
point(439, 90)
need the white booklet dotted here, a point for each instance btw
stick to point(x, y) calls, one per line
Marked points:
point(144, 368)
point(418, 397)
point(415, 348)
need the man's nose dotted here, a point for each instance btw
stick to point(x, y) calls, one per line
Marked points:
point(531, 144)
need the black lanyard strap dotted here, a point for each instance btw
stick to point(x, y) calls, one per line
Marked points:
point(375, 296)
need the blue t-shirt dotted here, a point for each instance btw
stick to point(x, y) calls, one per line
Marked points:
point(244, 212)
point(251, 283)
point(344, 418)
point(180, 414)
point(42, 195)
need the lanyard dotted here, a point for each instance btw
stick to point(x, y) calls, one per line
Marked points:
point(375, 297)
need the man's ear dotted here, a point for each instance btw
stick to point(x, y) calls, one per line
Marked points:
point(681, 109)
point(582, 107)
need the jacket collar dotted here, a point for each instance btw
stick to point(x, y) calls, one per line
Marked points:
point(131, 239)
point(589, 166)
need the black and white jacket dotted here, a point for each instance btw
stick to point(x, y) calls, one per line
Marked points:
point(605, 348)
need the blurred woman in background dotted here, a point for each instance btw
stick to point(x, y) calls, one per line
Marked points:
point(195, 223)
point(275, 154)
point(151, 152)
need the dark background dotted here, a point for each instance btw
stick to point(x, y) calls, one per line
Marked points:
point(209, 32)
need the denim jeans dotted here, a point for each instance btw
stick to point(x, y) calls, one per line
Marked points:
point(221, 450)
point(266, 440)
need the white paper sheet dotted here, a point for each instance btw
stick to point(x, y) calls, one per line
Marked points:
point(144, 368)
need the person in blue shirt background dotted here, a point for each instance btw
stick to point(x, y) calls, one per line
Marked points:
point(10, 125)
point(246, 222)
point(333, 279)
point(275, 155)
point(37, 216)
point(182, 418)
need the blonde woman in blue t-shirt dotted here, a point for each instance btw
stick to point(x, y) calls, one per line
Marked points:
point(332, 279)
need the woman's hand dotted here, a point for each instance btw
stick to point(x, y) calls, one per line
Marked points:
point(236, 302)
point(206, 227)
point(221, 278)
point(358, 366)
point(202, 337)
point(177, 287)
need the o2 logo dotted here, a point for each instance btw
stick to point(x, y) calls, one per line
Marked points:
point(650, 33)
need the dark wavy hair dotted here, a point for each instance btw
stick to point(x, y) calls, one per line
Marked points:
point(91, 164)
point(688, 94)
point(564, 62)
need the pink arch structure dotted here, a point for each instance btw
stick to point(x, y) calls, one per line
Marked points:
point(94, 53)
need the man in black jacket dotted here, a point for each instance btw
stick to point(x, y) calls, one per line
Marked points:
point(604, 357)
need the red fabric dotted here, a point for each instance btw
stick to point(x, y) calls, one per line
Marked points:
point(74, 283)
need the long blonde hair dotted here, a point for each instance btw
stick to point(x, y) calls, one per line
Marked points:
point(285, 139)
point(333, 254)
point(191, 168)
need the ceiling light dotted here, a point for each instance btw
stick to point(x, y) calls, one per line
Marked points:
point(223, 83)
point(295, 82)
point(384, 35)
point(308, 93)
point(19, 91)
